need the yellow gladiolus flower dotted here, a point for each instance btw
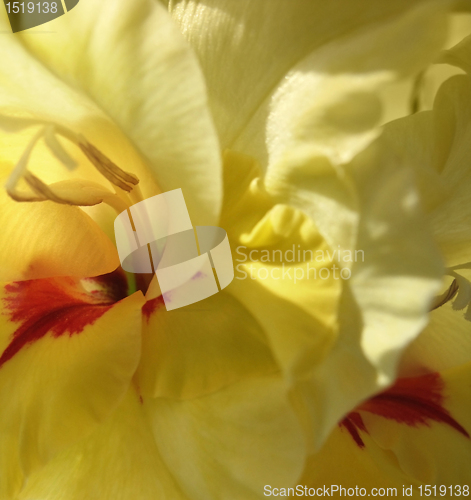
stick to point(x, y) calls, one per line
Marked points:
point(416, 434)
point(267, 117)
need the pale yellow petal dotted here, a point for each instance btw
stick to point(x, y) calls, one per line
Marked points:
point(118, 461)
point(460, 55)
point(427, 84)
point(445, 343)
point(246, 50)
point(230, 444)
point(121, 74)
point(284, 271)
point(68, 357)
point(342, 463)
point(435, 453)
point(201, 348)
point(411, 439)
point(370, 208)
point(330, 100)
point(437, 145)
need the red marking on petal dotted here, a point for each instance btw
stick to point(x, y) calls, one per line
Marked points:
point(151, 306)
point(56, 306)
point(353, 423)
point(414, 401)
point(410, 401)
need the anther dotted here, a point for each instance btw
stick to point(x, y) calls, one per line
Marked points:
point(77, 192)
point(106, 167)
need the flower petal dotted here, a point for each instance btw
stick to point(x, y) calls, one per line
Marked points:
point(460, 55)
point(416, 436)
point(119, 461)
point(324, 114)
point(330, 101)
point(370, 208)
point(437, 145)
point(445, 343)
point(231, 443)
point(438, 452)
point(285, 274)
point(68, 359)
point(341, 462)
point(138, 72)
point(202, 348)
point(45, 239)
point(249, 66)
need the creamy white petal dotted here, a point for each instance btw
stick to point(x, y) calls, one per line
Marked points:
point(120, 73)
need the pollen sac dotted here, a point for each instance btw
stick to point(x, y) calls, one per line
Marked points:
point(26, 15)
point(156, 235)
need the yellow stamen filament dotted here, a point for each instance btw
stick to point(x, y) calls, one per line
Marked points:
point(57, 150)
point(77, 192)
point(41, 189)
point(21, 168)
point(446, 296)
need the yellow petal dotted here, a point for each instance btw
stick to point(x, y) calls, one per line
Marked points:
point(330, 102)
point(341, 462)
point(68, 357)
point(436, 145)
point(108, 50)
point(45, 239)
point(445, 343)
point(427, 83)
point(245, 60)
point(200, 349)
point(295, 309)
point(231, 443)
point(438, 452)
point(57, 226)
point(370, 207)
point(452, 113)
point(402, 441)
point(460, 55)
point(284, 270)
point(118, 461)
point(335, 352)
point(401, 271)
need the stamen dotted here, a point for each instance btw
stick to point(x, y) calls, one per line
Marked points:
point(136, 194)
point(57, 150)
point(41, 189)
point(446, 297)
point(21, 168)
point(106, 167)
point(74, 192)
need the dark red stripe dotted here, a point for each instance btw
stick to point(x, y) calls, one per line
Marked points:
point(56, 306)
point(410, 401)
point(151, 306)
point(352, 423)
